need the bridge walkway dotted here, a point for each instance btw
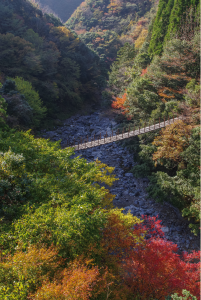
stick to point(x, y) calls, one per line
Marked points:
point(118, 137)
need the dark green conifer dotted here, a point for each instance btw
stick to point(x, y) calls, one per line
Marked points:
point(160, 26)
point(177, 13)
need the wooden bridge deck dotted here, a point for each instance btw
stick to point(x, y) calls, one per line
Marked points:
point(122, 136)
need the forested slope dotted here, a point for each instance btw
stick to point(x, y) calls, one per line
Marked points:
point(149, 88)
point(169, 17)
point(60, 237)
point(39, 53)
point(107, 25)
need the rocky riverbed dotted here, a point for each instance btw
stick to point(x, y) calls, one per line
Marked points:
point(130, 192)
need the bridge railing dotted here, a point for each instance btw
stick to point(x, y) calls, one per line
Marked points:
point(94, 141)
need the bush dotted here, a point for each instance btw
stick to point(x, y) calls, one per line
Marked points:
point(154, 270)
point(32, 97)
point(3, 108)
point(186, 295)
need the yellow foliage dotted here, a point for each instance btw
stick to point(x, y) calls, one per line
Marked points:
point(101, 176)
point(135, 34)
point(172, 141)
point(141, 39)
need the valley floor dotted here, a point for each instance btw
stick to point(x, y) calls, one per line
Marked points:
point(130, 192)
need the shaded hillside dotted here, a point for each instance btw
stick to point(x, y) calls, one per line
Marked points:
point(38, 49)
point(107, 25)
point(63, 8)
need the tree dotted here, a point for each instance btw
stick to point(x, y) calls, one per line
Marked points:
point(154, 270)
point(160, 26)
point(179, 10)
point(32, 98)
point(171, 142)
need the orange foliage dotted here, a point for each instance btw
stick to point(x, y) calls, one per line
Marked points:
point(135, 34)
point(83, 4)
point(115, 6)
point(119, 103)
point(119, 239)
point(162, 92)
point(77, 283)
point(36, 260)
point(98, 39)
point(172, 141)
point(144, 71)
point(35, 265)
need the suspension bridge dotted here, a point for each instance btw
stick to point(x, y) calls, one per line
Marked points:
point(95, 141)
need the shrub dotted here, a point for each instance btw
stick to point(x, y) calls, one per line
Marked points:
point(155, 270)
point(32, 97)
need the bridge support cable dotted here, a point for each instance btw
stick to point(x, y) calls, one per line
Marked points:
point(107, 139)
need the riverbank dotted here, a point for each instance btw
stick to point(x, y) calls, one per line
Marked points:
point(130, 192)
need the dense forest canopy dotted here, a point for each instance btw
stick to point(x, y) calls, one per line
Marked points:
point(60, 236)
point(37, 48)
point(161, 79)
point(107, 25)
point(169, 16)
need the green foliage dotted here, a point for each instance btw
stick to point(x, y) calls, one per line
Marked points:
point(181, 189)
point(38, 48)
point(160, 26)
point(39, 179)
point(107, 25)
point(192, 96)
point(178, 11)
point(186, 295)
point(159, 92)
point(32, 97)
point(19, 111)
point(142, 98)
point(3, 107)
point(124, 60)
point(171, 15)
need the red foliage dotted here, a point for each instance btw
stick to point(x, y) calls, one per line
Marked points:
point(110, 59)
point(144, 71)
point(154, 269)
point(142, 22)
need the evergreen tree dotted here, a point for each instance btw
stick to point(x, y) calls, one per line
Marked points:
point(178, 12)
point(160, 26)
point(168, 20)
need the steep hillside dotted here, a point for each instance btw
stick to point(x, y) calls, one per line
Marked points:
point(60, 236)
point(148, 87)
point(36, 49)
point(170, 15)
point(107, 25)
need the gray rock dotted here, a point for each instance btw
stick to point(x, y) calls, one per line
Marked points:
point(165, 229)
point(129, 175)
